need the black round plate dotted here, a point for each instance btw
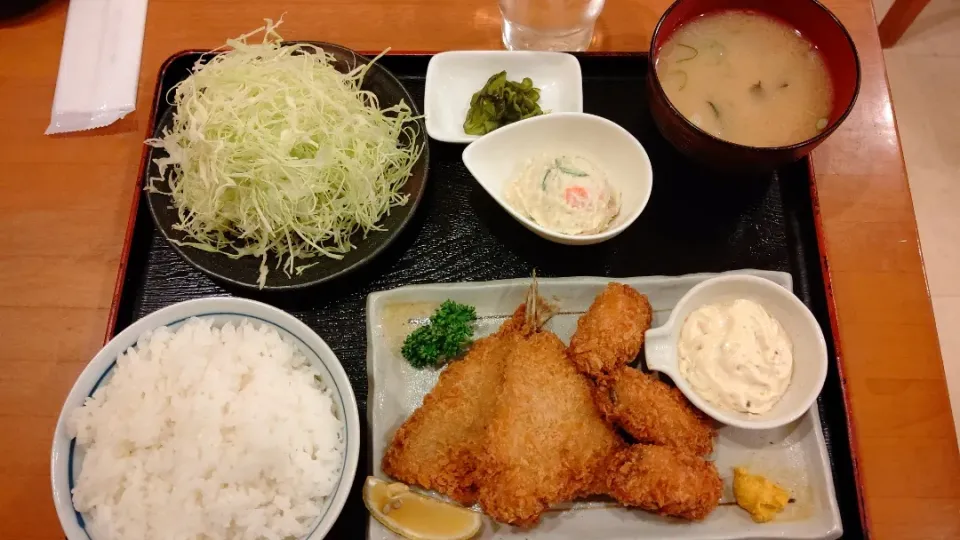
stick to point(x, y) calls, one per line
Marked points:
point(245, 271)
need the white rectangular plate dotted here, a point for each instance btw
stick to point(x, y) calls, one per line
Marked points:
point(794, 456)
point(454, 76)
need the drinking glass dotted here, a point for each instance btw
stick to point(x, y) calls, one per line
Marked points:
point(549, 25)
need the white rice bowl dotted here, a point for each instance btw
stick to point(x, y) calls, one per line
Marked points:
point(210, 431)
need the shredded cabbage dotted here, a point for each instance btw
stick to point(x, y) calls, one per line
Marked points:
point(272, 150)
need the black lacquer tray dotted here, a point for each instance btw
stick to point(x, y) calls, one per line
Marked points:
point(697, 221)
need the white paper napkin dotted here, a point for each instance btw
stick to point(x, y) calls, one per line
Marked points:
point(99, 65)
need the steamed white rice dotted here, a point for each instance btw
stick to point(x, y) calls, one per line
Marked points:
point(210, 433)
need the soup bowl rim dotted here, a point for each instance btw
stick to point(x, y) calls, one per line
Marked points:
point(815, 140)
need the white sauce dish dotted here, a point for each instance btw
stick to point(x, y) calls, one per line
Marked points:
point(805, 340)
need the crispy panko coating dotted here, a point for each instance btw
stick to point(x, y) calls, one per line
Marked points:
point(666, 481)
point(546, 442)
point(654, 412)
point(437, 447)
point(610, 333)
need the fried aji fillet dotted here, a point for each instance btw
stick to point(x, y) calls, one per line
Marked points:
point(653, 412)
point(437, 446)
point(546, 442)
point(667, 481)
point(610, 333)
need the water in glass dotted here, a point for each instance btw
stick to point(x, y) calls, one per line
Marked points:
point(549, 25)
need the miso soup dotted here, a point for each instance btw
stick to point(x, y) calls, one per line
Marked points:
point(746, 78)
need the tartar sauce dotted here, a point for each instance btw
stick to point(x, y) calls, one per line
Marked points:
point(736, 356)
point(564, 193)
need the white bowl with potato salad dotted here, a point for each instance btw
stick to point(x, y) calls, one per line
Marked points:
point(571, 178)
point(742, 349)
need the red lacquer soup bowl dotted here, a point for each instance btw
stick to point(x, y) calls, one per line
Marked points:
point(815, 23)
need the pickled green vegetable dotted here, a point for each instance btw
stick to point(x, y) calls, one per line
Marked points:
point(501, 102)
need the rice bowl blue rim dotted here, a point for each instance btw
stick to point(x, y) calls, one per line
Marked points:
point(346, 456)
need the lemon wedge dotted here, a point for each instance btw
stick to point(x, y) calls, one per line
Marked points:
point(415, 516)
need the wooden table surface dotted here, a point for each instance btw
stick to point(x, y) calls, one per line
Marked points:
point(64, 205)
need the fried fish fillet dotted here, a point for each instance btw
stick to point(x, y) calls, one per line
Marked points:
point(667, 481)
point(653, 412)
point(610, 333)
point(546, 442)
point(436, 448)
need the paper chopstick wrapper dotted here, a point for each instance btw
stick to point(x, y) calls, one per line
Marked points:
point(99, 65)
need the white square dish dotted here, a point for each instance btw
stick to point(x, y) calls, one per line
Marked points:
point(453, 77)
point(794, 455)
